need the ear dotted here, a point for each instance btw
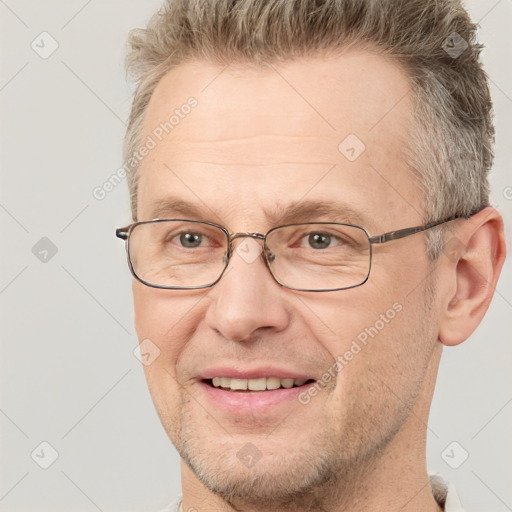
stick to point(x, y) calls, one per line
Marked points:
point(472, 261)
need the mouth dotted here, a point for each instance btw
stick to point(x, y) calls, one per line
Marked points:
point(257, 396)
point(257, 385)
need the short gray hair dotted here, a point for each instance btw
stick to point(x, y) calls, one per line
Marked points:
point(450, 147)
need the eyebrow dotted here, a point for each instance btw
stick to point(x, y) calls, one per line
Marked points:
point(309, 210)
point(296, 212)
point(167, 208)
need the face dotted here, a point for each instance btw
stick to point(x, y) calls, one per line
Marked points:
point(262, 148)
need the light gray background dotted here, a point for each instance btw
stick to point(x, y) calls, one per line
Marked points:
point(68, 373)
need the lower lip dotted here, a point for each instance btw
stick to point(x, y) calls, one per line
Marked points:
point(252, 401)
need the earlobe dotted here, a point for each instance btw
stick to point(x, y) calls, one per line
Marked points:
point(474, 257)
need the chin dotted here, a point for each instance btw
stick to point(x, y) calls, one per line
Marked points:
point(278, 476)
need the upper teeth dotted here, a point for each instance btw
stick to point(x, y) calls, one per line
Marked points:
point(256, 384)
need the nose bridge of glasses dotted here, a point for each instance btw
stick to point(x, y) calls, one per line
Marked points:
point(254, 236)
point(234, 236)
point(257, 236)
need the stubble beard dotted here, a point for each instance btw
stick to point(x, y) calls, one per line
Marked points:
point(288, 476)
point(330, 466)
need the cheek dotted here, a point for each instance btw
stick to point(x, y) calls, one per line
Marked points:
point(390, 354)
point(338, 318)
point(377, 326)
point(168, 319)
point(164, 322)
point(380, 370)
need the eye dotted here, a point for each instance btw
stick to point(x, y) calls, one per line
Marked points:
point(190, 240)
point(321, 240)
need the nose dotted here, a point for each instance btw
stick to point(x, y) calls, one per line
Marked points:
point(247, 300)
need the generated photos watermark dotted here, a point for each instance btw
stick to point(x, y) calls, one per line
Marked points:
point(357, 345)
point(151, 142)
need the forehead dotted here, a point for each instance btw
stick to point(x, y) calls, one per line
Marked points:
point(329, 127)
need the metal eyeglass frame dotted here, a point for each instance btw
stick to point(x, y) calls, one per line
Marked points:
point(124, 234)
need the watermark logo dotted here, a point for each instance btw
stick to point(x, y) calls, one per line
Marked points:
point(45, 45)
point(44, 455)
point(455, 45)
point(249, 455)
point(352, 147)
point(455, 455)
point(147, 352)
point(249, 250)
point(44, 250)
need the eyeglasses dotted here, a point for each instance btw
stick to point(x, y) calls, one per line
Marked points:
point(180, 254)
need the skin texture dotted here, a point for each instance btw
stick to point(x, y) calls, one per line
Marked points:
point(260, 140)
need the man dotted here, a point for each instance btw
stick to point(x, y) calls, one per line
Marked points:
point(278, 153)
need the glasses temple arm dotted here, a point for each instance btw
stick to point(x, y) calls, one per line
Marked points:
point(401, 233)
